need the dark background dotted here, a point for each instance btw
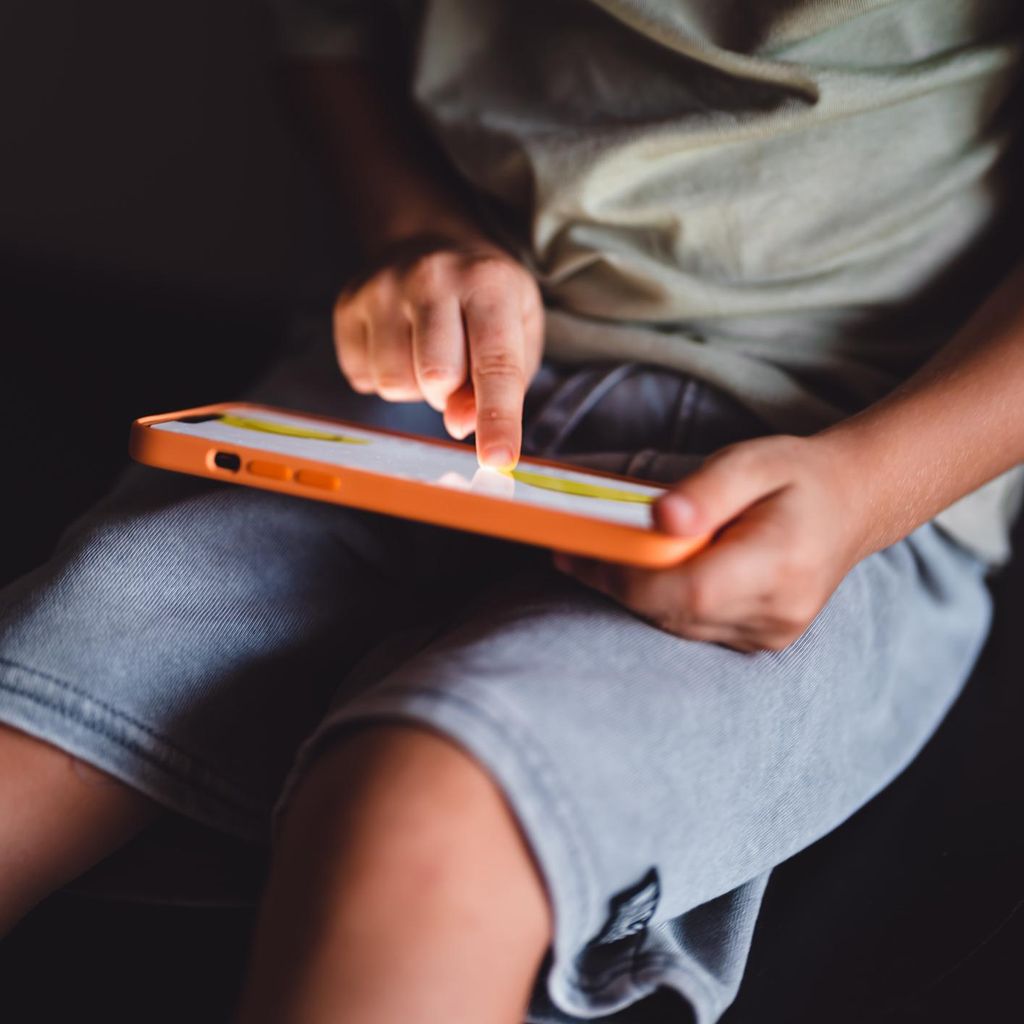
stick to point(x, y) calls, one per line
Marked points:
point(159, 222)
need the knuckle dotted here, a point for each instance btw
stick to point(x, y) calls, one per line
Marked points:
point(784, 444)
point(739, 457)
point(529, 289)
point(500, 374)
point(385, 279)
point(499, 363)
point(488, 264)
point(770, 452)
point(803, 612)
point(425, 274)
point(379, 293)
point(486, 272)
point(777, 640)
point(749, 643)
point(665, 621)
point(679, 623)
point(789, 615)
point(779, 453)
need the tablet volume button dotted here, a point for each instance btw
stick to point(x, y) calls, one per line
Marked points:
point(313, 478)
point(270, 470)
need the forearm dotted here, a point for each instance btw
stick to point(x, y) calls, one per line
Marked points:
point(950, 428)
point(377, 155)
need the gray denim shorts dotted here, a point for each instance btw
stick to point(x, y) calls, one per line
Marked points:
point(202, 642)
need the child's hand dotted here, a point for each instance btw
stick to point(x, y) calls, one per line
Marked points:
point(787, 531)
point(459, 325)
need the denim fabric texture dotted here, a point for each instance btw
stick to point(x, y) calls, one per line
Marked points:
point(204, 641)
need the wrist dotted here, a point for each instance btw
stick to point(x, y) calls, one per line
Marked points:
point(405, 248)
point(430, 225)
point(857, 486)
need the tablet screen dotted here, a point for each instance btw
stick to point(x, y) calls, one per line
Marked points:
point(532, 483)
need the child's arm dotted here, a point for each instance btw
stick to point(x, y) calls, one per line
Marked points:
point(797, 513)
point(447, 316)
point(950, 428)
point(388, 179)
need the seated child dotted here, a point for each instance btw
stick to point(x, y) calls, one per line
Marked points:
point(750, 250)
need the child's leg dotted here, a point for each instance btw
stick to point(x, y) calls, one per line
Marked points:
point(657, 782)
point(58, 817)
point(384, 905)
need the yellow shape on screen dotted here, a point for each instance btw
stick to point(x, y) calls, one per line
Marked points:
point(579, 487)
point(269, 427)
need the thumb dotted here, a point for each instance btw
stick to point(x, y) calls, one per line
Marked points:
point(727, 484)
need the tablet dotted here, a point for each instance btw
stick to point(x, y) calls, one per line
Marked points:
point(539, 502)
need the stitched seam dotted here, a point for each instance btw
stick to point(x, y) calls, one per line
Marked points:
point(230, 796)
point(100, 703)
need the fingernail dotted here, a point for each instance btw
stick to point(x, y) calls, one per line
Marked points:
point(498, 456)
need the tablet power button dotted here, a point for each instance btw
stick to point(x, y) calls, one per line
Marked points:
point(314, 478)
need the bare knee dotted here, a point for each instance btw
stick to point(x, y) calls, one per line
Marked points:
point(403, 797)
point(401, 889)
point(405, 816)
point(394, 765)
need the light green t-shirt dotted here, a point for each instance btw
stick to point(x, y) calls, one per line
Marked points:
point(795, 200)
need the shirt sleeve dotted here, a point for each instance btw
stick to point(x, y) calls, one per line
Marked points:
point(323, 28)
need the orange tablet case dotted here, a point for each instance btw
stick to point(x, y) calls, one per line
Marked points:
point(410, 499)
